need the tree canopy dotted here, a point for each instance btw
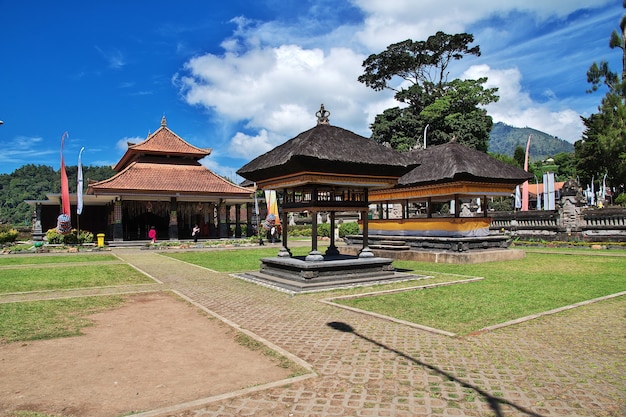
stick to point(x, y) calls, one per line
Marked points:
point(437, 108)
point(33, 182)
point(602, 150)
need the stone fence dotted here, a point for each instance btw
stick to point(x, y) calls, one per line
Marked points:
point(569, 222)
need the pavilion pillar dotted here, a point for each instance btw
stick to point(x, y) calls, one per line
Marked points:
point(314, 255)
point(365, 252)
point(249, 228)
point(173, 224)
point(457, 207)
point(222, 219)
point(429, 207)
point(484, 204)
point(332, 249)
point(118, 227)
point(238, 220)
point(211, 220)
point(37, 231)
point(284, 251)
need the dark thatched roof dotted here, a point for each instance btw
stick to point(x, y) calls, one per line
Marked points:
point(327, 149)
point(455, 162)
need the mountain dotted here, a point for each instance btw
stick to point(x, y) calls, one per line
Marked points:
point(504, 139)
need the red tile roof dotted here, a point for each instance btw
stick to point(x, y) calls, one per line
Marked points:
point(161, 142)
point(153, 177)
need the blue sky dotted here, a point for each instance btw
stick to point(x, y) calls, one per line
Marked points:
point(242, 77)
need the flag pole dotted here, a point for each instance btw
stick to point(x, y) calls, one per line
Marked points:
point(79, 194)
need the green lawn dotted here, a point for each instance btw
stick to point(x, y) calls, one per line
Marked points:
point(236, 260)
point(55, 259)
point(510, 290)
point(49, 319)
point(40, 278)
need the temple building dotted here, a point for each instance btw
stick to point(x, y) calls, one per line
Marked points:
point(160, 183)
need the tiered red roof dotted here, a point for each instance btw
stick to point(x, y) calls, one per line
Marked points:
point(166, 164)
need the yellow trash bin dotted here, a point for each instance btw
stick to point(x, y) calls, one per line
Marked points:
point(100, 240)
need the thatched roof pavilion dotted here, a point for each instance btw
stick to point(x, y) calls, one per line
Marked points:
point(453, 169)
point(328, 169)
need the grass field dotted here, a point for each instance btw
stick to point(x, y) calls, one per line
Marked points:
point(510, 290)
point(239, 260)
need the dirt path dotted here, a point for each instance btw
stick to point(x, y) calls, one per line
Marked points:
point(153, 352)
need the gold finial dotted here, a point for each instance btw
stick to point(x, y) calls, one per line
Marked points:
point(163, 121)
point(322, 116)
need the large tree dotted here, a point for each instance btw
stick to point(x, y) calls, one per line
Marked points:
point(444, 109)
point(602, 150)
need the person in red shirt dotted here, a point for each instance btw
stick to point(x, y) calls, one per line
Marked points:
point(152, 234)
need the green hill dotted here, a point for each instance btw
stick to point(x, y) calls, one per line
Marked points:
point(504, 139)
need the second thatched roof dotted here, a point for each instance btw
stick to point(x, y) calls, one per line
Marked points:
point(455, 162)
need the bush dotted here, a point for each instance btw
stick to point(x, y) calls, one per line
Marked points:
point(323, 230)
point(7, 234)
point(349, 228)
point(621, 199)
point(300, 230)
point(54, 237)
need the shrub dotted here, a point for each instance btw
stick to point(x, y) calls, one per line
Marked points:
point(323, 230)
point(7, 234)
point(621, 199)
point(54, 237)
point(349, 228)
point(300, 230)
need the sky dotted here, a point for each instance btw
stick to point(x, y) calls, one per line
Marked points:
point(241, 77)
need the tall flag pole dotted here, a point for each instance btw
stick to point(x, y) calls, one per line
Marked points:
point(64, 222)
point(79, 194)
point(525, 185)
point(79, 187)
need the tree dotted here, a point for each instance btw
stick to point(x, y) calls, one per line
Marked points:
point(602, 150)
point(447, 109)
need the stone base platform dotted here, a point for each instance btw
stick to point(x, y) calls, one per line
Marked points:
point(294, 274)
point(444, 256)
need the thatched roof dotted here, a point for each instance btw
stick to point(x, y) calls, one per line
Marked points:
point(327, 149)
point(455, 162)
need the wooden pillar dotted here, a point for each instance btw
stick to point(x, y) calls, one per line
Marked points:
point(222, 219)
point(457, 207)
point(429, 207)
point(173, 223)
point(484, 204)
point(238, 220)
point(284, 251)
point(249, 227)
point(118, 227)
point(332, 249)
point(314, 255)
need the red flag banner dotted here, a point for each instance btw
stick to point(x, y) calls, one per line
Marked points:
point(64, 221)
point(65, 189)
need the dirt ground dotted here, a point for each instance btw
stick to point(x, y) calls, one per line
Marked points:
point(153, 352)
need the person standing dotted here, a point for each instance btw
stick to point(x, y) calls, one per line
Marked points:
point(152, 234)
point(195, 232)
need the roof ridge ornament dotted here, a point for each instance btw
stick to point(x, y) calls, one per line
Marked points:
point(322, 116)
point(163, 121)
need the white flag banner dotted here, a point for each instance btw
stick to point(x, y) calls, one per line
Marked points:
point(79, 186)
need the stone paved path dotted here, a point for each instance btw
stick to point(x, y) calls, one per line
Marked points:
point(569, 364)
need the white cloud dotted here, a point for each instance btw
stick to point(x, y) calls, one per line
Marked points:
point(516, 108)
point(249, 147)
point(122, 144)
point(270, 79)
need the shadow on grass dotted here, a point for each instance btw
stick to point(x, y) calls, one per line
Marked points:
point(494, 403)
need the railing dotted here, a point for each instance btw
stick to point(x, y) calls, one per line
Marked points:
point(583, 223)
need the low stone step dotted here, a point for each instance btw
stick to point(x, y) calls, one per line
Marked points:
point(392, 242)
point(390, 247)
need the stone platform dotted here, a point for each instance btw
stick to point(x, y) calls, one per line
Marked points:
point(295, 274)
point(443, 256)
